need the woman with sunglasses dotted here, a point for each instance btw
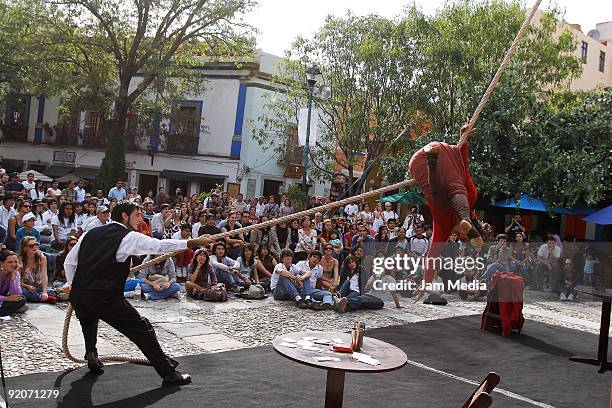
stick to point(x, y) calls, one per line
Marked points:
point(330, 278)
point(11, 299)
point(34, 279)
point(59, 278)
point(28, 230)
point(15, 223)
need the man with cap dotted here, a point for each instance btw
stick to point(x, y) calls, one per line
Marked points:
point(28, 230)
point(97, 268)
point(14, 188)
point(101, 218)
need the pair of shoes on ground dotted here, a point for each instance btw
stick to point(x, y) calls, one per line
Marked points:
point(175, 378)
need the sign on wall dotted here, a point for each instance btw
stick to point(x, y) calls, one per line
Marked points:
point(64, 157)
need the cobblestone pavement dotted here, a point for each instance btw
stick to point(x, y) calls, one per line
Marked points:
point(31, 342)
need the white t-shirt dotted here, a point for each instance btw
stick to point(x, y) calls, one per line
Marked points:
point(63, 231)
point(28, 185)
point(276, 273)
point(91, 223)
point(545, 253)
point(355, 283)
point(389, 215)
point(54, 192)
point(316, 272)
point(177, 235)
point(419, 245)
point(351, 210)
point(48, 217)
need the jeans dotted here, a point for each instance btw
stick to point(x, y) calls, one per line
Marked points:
point(355, 301)
point(287, 290)
point(35, 296)
point(522, 270)
point(588, 278)
point(131, 285)
point(228, 278)
point(321, 296)
point(163, 294)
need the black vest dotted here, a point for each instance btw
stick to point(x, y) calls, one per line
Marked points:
point(97, 267)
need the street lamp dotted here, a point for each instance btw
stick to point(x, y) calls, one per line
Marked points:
point(313, 74)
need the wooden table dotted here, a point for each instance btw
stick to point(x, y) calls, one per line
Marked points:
point(390, 357)
point(606, 307)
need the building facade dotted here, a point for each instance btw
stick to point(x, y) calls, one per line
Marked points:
point(207, 142)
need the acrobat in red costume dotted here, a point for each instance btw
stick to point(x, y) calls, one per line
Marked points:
point(442, 172)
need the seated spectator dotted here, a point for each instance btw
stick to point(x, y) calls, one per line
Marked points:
point(568, 289)
point(64, 225)
point(307, 240)
point(15, 223)
point(470, 294)
point(418, 243)
point(401, 240)
point(159, 281)
point(202, 283)
point(497, 257)
point(289, 282)
point(29, 220)
point(59, 278)
point(331, 276)
point(363, 238)
point(547, 265)
point(265, 266)
point(228, 270)
point(392, 228)
point(286, 208)
point(195, 229)
point(336, 243)
point(209, 227)
point(183, 260)
point(261, 236)
point(352, 284)
point(34, 279)
point(313, 270)
point(101, 218)
point(161, 221)
point(280, 238)
point(235, 242)
point(11, 299)
point(519, 257)
point(247, 264)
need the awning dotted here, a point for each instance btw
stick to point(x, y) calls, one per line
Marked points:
point(37, 175)
point(187, 176)
point(535, 204)
point(76, 173)
point(58, 171)
point(407, 197)
point(602, 217)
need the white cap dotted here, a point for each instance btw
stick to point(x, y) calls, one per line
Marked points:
point(28, 217)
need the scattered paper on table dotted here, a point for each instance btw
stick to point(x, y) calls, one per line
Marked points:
point(326, 358)
point(308, 338)
point(323, 341)
point(312, 349)
point(365, 358)
point(290, 345)
point(288, 340)
point(305, 343)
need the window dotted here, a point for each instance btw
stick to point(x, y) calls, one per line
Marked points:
point(584, 50)
point(185, 127)
point(602, 61)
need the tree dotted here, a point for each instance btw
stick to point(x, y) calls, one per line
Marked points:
point(462, 47)
point(374, 95)
point(128, 55)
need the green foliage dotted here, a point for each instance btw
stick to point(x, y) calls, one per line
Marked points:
point(299, 199)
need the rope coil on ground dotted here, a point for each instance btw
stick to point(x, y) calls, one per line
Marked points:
point(312, 211)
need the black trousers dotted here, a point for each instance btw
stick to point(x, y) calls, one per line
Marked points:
point(93, 306)
point(9, 307)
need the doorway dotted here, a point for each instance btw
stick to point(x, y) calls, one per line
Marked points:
point(271, 187)
point(147, 182)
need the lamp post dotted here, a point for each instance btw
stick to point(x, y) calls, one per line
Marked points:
point(312, 75)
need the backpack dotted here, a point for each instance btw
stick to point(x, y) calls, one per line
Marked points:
point(216, 293)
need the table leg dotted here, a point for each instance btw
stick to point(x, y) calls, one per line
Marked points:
point(334, 391)
point(602, 349)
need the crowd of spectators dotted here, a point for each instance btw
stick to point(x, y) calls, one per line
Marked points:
point(320, 262)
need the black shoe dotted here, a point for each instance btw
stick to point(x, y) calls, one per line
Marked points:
point(176, 378)
point(308, 302)
point(93, 362)
point(318, 306)
point(301, 304)
point(328, 306)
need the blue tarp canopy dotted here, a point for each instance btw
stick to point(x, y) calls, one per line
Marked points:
point(602, 217)
point(535, 204)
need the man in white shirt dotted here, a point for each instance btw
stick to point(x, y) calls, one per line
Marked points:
point(50, 213)
point(547, 264)
point(80, 191)
point(196, 227)
point(160, 221)
point(260, 208)
point(412, 219)
point(101, 218)
point(29, 183)
point(419, 244)
point(351, 210)
point(312, 266)
point(54, 190)
point(7, 211)
point(97, 287)
point(389, 214)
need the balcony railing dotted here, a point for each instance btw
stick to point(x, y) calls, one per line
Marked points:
point(63, 135)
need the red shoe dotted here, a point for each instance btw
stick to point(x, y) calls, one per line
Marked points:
point(52, 300)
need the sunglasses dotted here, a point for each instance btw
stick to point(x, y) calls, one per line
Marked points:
point(329, 249)
point(25, 206)
point(33, 245)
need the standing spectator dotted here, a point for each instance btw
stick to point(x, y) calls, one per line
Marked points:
point(389, 214)
point(515, 226)
point(149, 211)
point(11, 299)
point(117, 192)
point(365, 215)
point(14, 188)
point(63, 225)
point(519, 258)
point(378, 217)
point(80, 191)
point(29, 183)
point(4, 180)
point(38, 192)
point(272, 209)
point(412, 220)
point(261, 206)
point(590, 262)
point(54, 190)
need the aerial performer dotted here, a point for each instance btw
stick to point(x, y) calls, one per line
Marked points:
point(97, 268)
point(441, 170)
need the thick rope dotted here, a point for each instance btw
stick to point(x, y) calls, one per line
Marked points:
point(498, 74)
point(312, 211)
point(222, 235)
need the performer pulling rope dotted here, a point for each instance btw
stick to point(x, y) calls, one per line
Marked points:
point(461, 193)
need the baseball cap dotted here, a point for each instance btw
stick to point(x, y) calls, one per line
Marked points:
point(102, 209)
point(28, 217)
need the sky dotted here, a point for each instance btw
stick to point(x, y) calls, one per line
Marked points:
point(280, 21)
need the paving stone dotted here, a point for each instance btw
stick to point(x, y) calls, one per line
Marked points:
point(187, 329)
